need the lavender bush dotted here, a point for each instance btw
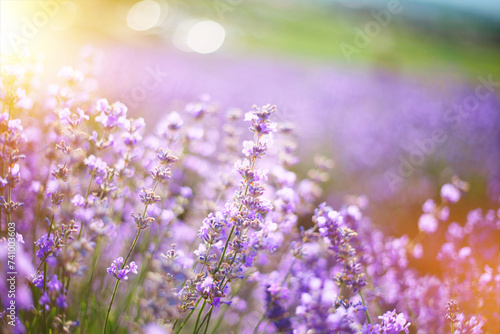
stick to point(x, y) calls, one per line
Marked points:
point(201, 225)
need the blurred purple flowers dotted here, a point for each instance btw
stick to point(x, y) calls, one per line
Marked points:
point(223, 229)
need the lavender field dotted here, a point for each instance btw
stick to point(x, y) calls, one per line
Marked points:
point(226, 167)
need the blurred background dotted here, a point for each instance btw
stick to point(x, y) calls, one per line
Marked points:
point(366, 83)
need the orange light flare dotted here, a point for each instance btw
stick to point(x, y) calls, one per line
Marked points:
point(32, 33)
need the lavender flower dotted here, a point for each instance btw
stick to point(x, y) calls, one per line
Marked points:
point(427, 223)
point(96, 165)
point(45, 246)
point(450, 193)
point(452, 310)
point(119, 271)
point(111, 115)
point(332, 227)
point(54, 295)
point(392, 323)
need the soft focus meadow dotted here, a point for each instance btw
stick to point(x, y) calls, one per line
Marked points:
point(247, 167)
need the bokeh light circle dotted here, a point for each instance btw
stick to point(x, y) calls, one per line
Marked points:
point(206, 36)
point(144, 15)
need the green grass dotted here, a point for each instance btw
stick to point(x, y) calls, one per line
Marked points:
point(316, 34)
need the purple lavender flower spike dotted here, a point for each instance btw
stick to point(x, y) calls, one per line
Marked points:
point(119, 271)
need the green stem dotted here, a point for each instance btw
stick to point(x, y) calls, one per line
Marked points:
point(226, 307)
point(139, 230)
point(126, 260)
point(33, 230)
point(110, 305)
point(67, 285)
point(366, 311)
point(370, 282)
point(133, 246)
point(189, 316)
point(199, 315)
point(118, 281)
point(175, 324)
point(94, 262)
point(226, 246)
point(45, 320)
point(50, 226)
point(44, 275)
point(255, 330)
point(219, 321)
point(208, 320)
point(89, 186)
point(142, 275)
point(207, 316)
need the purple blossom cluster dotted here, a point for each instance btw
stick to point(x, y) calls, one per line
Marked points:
point(120, 271)
point(207, 222)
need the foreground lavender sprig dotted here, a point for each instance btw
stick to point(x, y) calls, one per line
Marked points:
point(117, 269)
point(223, 254)
point(391, 323)
point(334, 228)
